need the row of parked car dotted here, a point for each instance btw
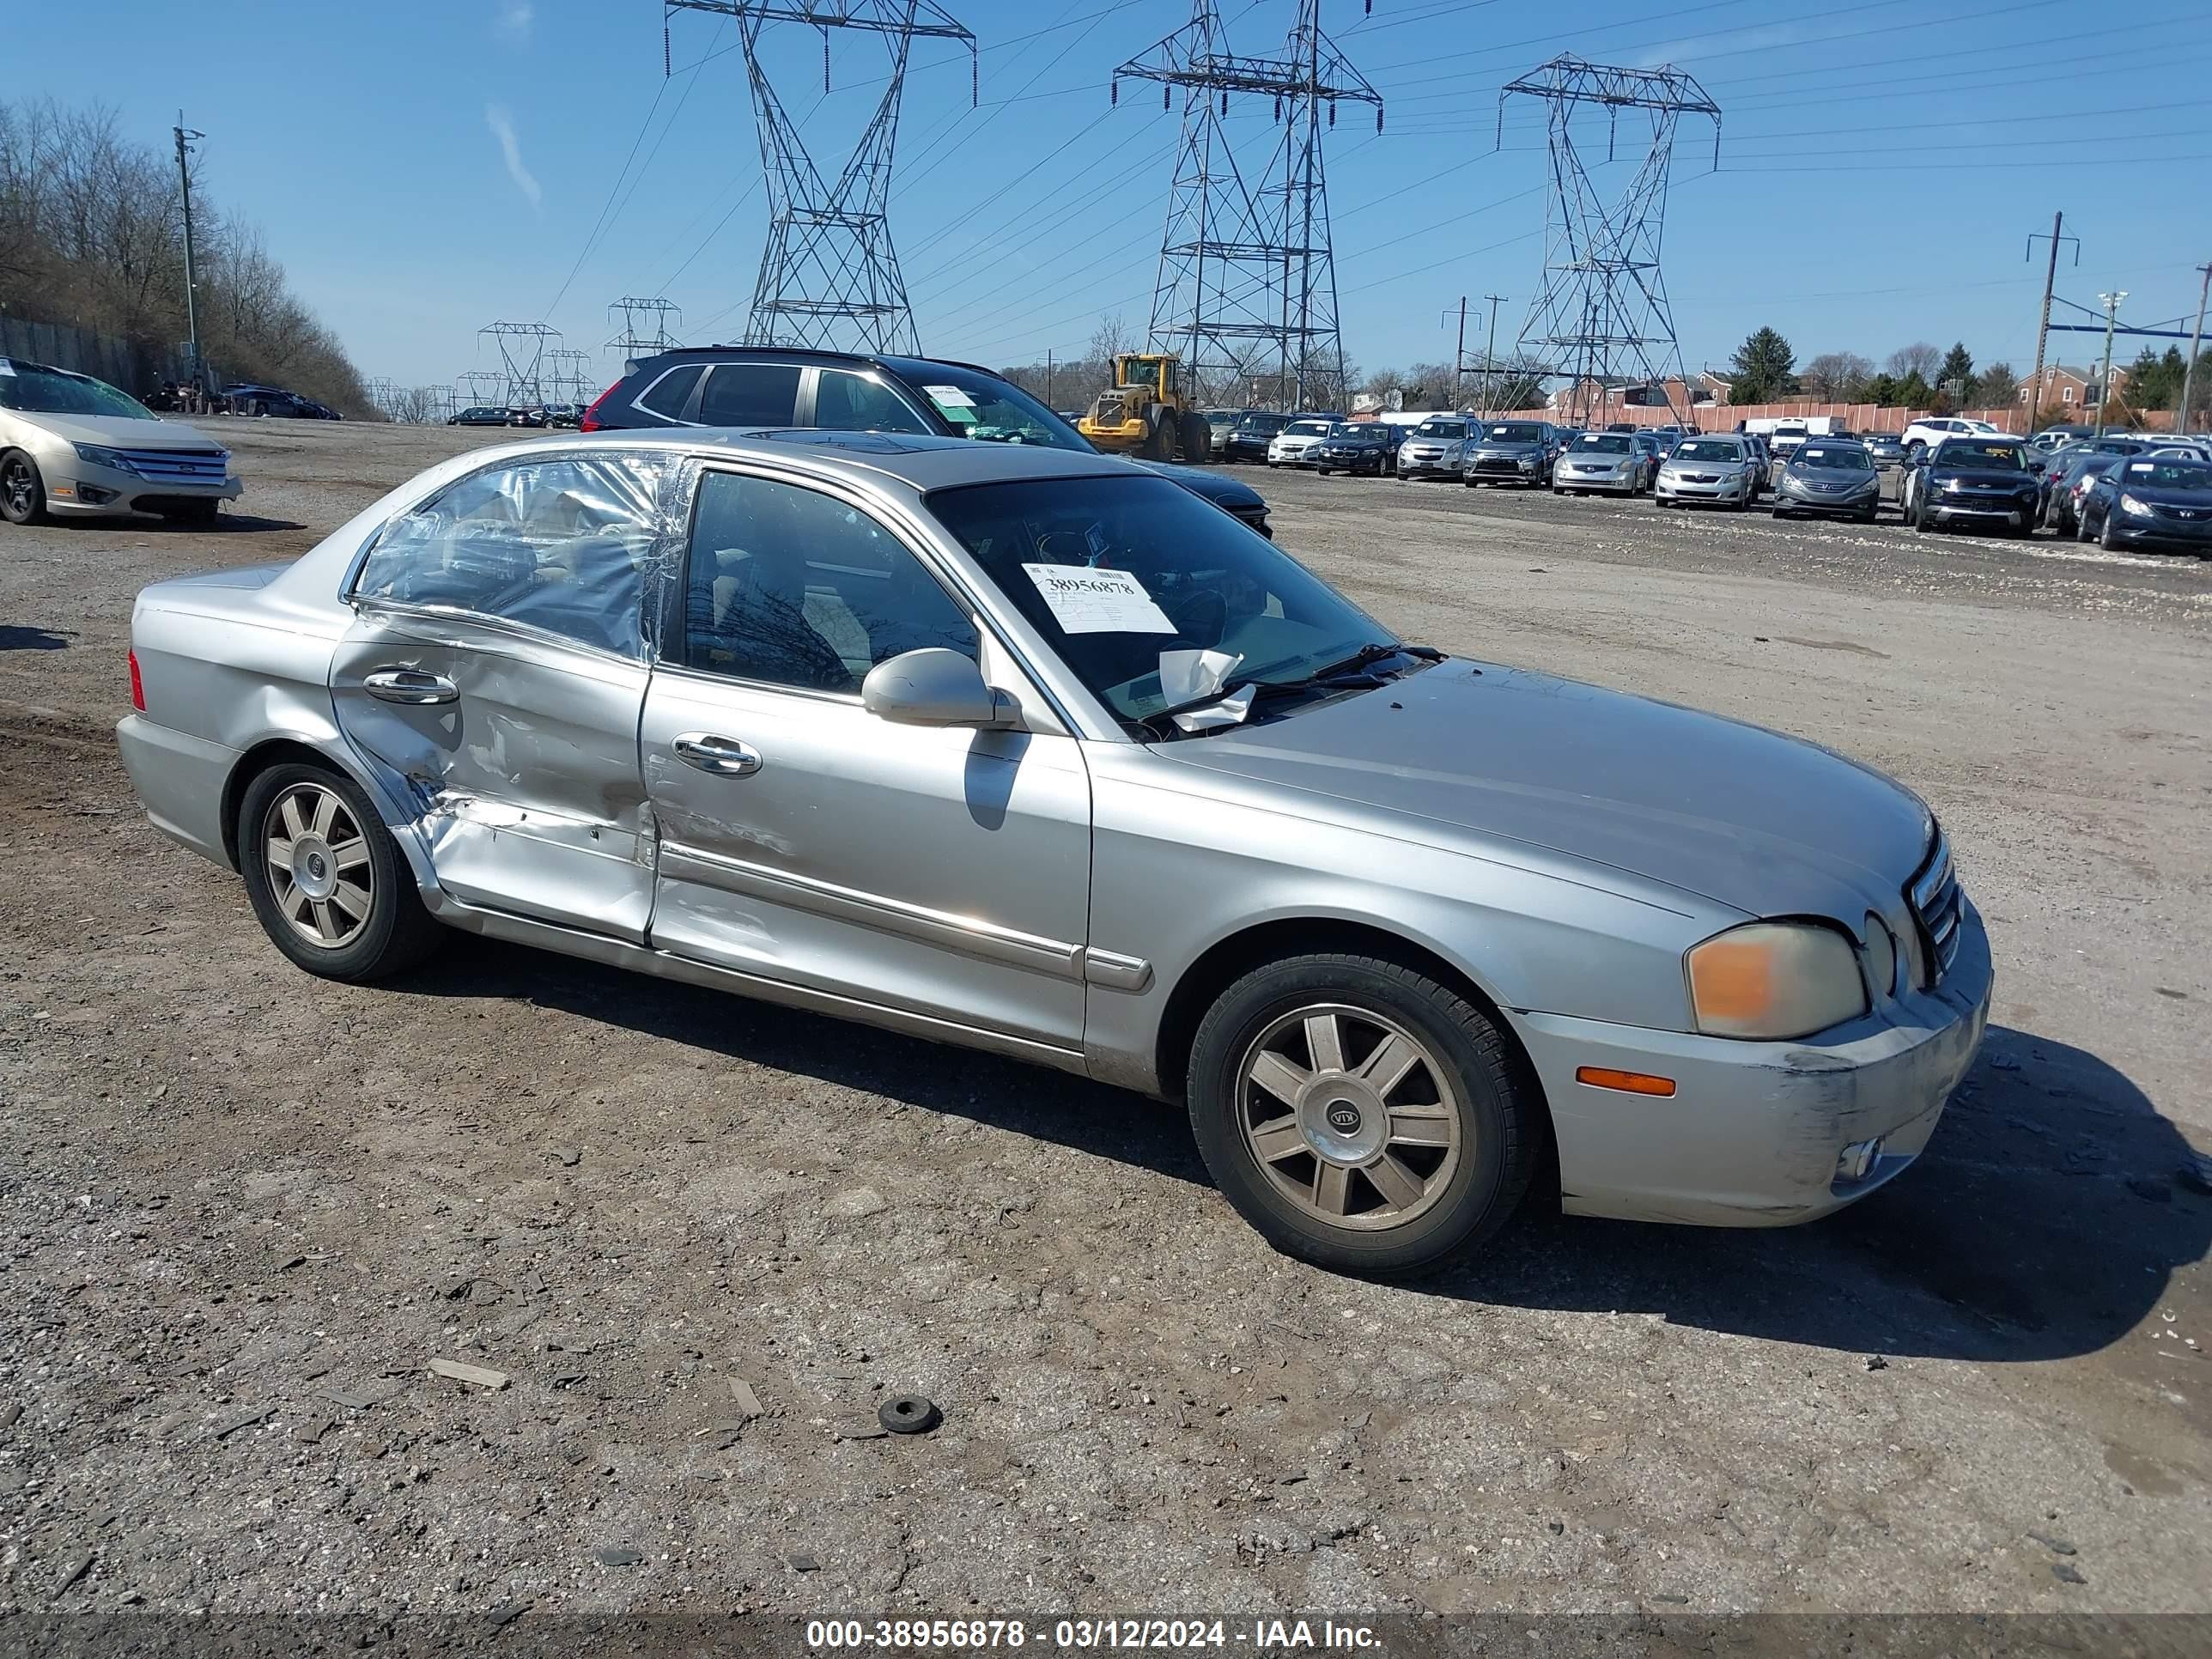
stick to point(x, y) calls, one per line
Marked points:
point(525, 415)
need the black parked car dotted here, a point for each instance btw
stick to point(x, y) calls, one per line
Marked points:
point(1248, 440)
point(480, 415)
point(1356, 447)
point(1976, 480)
point(2149, 501)
point(1828, 477)
point(774, 389)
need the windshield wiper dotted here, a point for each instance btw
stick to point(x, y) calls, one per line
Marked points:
point(1349, 675)
point(1367, 656)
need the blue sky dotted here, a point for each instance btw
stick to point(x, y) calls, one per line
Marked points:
point(425, 167)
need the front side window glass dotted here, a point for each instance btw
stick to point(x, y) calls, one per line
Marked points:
point(557, 545)
point(860, 403)
point(1118, 573)
point(795, 588)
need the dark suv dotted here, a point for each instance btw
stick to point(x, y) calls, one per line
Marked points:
point(772, 388)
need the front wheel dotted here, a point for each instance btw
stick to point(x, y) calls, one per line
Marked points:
point(1362, 1116)
point(22, 491)
point(326, 880)
point(2108, 537)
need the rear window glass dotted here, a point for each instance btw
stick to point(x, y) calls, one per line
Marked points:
point(668, 395)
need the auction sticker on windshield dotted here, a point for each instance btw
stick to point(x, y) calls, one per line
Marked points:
point(949, 396)
point(1086, 600)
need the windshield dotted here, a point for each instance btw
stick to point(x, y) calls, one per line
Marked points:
point(37, 390)
point(1441, 430)
point(981, 405)
point(1603, 443)
point(2168, 475)
point(1708, 449)
point(1306, 429)
point(1347, 429)
point(1841, 457)
point(1174, 575)
point(1992, 457)
point(1260, 423)
point(1516, 432)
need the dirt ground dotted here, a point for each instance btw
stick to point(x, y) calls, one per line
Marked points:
point(242, 1209)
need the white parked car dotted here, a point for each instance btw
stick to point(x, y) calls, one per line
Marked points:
point(1933, 430)
point(1288, 447)
point(72, 447)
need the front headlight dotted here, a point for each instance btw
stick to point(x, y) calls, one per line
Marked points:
point(100, 455)
point(2134, 508)
point(1954, 484)
point(1771, 981)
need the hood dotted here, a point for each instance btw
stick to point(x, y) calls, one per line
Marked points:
point(1507, 446)
point(120, 432)
point(2005, 477)
point(1499, 759)
point(1221, 490)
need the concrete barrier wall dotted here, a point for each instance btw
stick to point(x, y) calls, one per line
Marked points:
point(135, 368)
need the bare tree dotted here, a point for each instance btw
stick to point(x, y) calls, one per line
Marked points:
point(1110, 338)
point(1919, 358)
point(1841, 376)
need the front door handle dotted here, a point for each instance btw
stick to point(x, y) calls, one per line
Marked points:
point(409, 685)
point(724, 756)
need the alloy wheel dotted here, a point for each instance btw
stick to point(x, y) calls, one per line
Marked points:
point(1350, 1116)
point(319, 870)
point(17, 488)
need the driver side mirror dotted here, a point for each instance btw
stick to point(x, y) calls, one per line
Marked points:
point(935, 687)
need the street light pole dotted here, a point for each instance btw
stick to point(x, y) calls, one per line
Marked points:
point(2195, 345)
point(184, 138)
point(2112, 304)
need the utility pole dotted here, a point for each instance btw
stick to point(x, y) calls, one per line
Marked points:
point(2043, 331)
point(1458, 352)
point(186, 138)
point(1047, 377)
point(2112, 304)
point(2196, 344)
point(1490, 354)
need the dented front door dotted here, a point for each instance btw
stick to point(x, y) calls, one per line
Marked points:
point(518, 753)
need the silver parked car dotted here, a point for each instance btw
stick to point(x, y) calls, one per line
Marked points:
point(1431, 450)
point(1509, 451)
point(1722, 469)
point(1036, 751)
point(72, 447)
point(1610, 461)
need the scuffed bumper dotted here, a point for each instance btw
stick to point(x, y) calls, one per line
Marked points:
point(180, 780)
point(1754, 1134)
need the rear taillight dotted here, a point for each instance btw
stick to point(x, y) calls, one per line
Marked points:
point(137, 686)
point(591, 422)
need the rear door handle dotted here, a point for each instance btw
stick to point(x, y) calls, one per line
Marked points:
point(409, 685)
point(724, 756)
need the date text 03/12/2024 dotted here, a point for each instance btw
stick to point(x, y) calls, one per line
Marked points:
point(940, 1635)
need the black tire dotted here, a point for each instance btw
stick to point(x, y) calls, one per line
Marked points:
point(2082, 532)
point(1197, 438)
point(1159, 441)
point(1921, 525)
point(23, 490)
point(2106, 537)
point(1321, 473)
point(398, 933)
point(1779, 514)
point(1869, 515)
point(1496, 1105)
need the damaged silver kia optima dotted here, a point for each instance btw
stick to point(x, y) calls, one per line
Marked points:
point(1035, 751)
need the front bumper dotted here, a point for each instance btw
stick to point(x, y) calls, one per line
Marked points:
point(1302, 457)
point(1530, 473)
point(1754, 1131)
point(2130, 530)
point(1566, 478)
point(1736, 489)
point(78, 489)
point(1969, 507)
point(1854, 506)
point(1426, 466)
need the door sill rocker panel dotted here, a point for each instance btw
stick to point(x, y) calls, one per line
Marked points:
point(666, 964)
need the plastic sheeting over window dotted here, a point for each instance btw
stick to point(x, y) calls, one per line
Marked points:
point(573, 546)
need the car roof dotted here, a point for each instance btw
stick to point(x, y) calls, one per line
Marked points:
point(922, 463)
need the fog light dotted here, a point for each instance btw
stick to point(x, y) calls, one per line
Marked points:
point(1856, 1162)
point(94, 495)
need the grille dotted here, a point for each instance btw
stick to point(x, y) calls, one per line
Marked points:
point(1495, 464)
point(1937, 902)
point(178, 465)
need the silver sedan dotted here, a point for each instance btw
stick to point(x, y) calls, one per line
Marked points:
point(1037, 752)
point(72, 447)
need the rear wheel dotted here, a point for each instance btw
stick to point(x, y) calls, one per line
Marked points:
point(1361, 1115)
point(22, 491)
point(1197, 438)
point(325, 878)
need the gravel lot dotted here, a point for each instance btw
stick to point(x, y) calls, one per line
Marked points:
point(242, 1209)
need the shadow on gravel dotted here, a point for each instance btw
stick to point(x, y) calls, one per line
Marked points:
point(32, 639)
point(2043, 1221)
point(1004, 1094)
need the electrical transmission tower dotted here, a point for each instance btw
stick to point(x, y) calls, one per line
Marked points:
point(829, 276)
point(1247, 283)
point(478, 387)
point(641, 327)
point(522, 350)
point(564, 376)
point(383, 395)
point(1602, 318)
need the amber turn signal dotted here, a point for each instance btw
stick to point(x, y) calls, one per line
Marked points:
point(1634, 1083)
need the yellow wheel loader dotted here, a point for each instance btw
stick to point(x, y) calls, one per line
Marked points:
point(1147, 414)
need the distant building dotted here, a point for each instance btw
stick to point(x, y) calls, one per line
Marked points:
point(1595, 399)
point(2064, 387)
